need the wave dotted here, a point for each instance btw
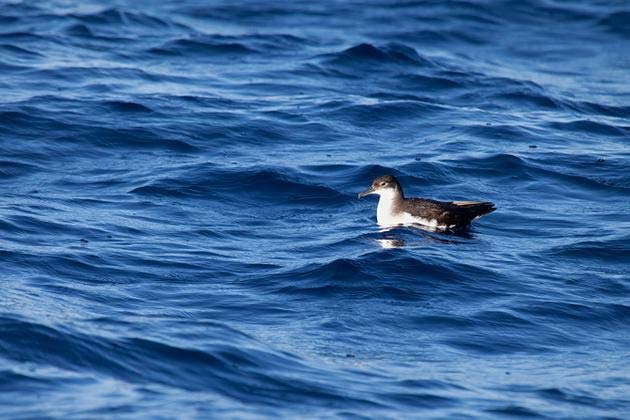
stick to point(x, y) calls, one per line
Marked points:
point(73, 75)
point(573, 172)
point(534, 99)
point(201, 46)
point(13, 169)
point(423, 82)
point(610, 251)
point(245, 44)
point(21, 36)
point(366, 55)
point(431, 38)
point(240, 370)
point(617, 23)
point(130, 138)
point(93, 34)
point(259, 184)
point(588, 107)
point(117, 18)
point(19, 51)
point(171, 365)
point(127, 106)
point(592, 127)
point(384, 113)
point(594, 315)
point(378, 276)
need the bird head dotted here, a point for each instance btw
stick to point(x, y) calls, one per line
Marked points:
point(382, 185)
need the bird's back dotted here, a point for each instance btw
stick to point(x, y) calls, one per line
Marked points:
point(447, 213)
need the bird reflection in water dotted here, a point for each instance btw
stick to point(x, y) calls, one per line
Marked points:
point(393, 237)
point(388, 243)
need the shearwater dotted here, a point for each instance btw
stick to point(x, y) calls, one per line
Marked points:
point(394, 209)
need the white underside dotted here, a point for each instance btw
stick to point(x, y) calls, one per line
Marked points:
point(406, 219)
point(386, 217)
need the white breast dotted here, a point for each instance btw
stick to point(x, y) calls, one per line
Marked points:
point(385, 211)
point(386, 217)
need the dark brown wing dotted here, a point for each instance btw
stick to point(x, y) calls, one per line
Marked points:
point(454, 213)
point(474, 208)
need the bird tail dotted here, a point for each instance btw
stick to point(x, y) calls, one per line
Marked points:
point(475, 208)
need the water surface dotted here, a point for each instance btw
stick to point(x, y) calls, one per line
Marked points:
point(180, 234)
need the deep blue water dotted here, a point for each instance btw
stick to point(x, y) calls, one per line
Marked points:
point(180, 234)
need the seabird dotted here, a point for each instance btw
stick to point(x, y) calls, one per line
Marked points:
point(394, 209)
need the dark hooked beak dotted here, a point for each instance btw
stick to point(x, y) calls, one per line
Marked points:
point(366, 192)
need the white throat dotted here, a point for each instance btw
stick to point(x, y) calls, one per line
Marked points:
point(385, 215)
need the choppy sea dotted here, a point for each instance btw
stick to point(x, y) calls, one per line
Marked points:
point(180, 235)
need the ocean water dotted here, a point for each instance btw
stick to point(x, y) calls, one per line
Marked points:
point(180, 235)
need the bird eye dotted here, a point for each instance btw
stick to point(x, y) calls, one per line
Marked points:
point(383, 184)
